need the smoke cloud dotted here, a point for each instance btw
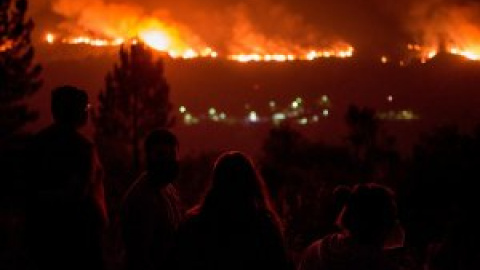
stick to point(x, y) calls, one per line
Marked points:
point(446, 22)
point(236, 25)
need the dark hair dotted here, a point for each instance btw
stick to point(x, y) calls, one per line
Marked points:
point(236, 183)
point(69, 105)
point(370, 212)
point(160, 136)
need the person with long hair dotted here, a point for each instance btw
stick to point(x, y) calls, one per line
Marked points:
point(236, 226)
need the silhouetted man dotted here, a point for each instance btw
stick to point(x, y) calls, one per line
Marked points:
point(66, 209)
point(151, 212)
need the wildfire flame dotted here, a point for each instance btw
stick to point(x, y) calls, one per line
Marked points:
point(310, 55)
point(428, 52)
point(162, 41)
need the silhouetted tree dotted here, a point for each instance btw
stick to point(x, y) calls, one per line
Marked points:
point(135, 101)
point(363, 127)
point(373, 150)
point(19, 77)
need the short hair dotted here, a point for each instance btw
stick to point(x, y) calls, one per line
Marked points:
point(370, 211)
point(68, 104)
point(160, 136)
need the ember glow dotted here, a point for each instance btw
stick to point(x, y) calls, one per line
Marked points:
point(162, 41)
point(426, 52)
point(308, 55)
point(445, 27)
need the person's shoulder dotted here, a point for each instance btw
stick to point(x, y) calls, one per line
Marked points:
point(311, 256)
point(136, 190)
point(313, 250)
point(192, 218)
point(44, 134)
point(82, 140)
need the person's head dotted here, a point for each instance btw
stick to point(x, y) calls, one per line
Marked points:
point(370, 213)
point(161, 147)
point(236, 184)
point(69, 106)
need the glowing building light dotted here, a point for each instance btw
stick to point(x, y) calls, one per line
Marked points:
point(294, 104)
point(390, 98)
point(303, 121)
point(315, 118)
point(272, 104)
point(324, 98)
point(223, 116)
point(212, 111)
point(278, 117)
point(188, 119)
point(326, 112)
point(384, 59)
point(182, 109)
point(253, 117)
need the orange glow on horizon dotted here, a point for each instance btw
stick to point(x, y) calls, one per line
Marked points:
point(156, 39)
point(428, 52)
point(164, 41)
point(50, 38)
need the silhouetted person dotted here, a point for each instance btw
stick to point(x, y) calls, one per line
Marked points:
point(151, 212)
point(66, 208)
point(235, 227)
point(370, 226)
point(338, 199)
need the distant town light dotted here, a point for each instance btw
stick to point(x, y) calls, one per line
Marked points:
point(384, 59)
point(212, 111)
point(182, 109)
point(315, 118)
point(294, 104)
point(303, 121)
point(223, 116)
point(279, 117)
point(272, 104)
point(324, 98)
point(390, 98)
point(188, 119)
point(253, 117)
point(326, 112)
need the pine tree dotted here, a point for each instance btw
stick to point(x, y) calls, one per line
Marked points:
point(134, 102)
point(19, 76)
